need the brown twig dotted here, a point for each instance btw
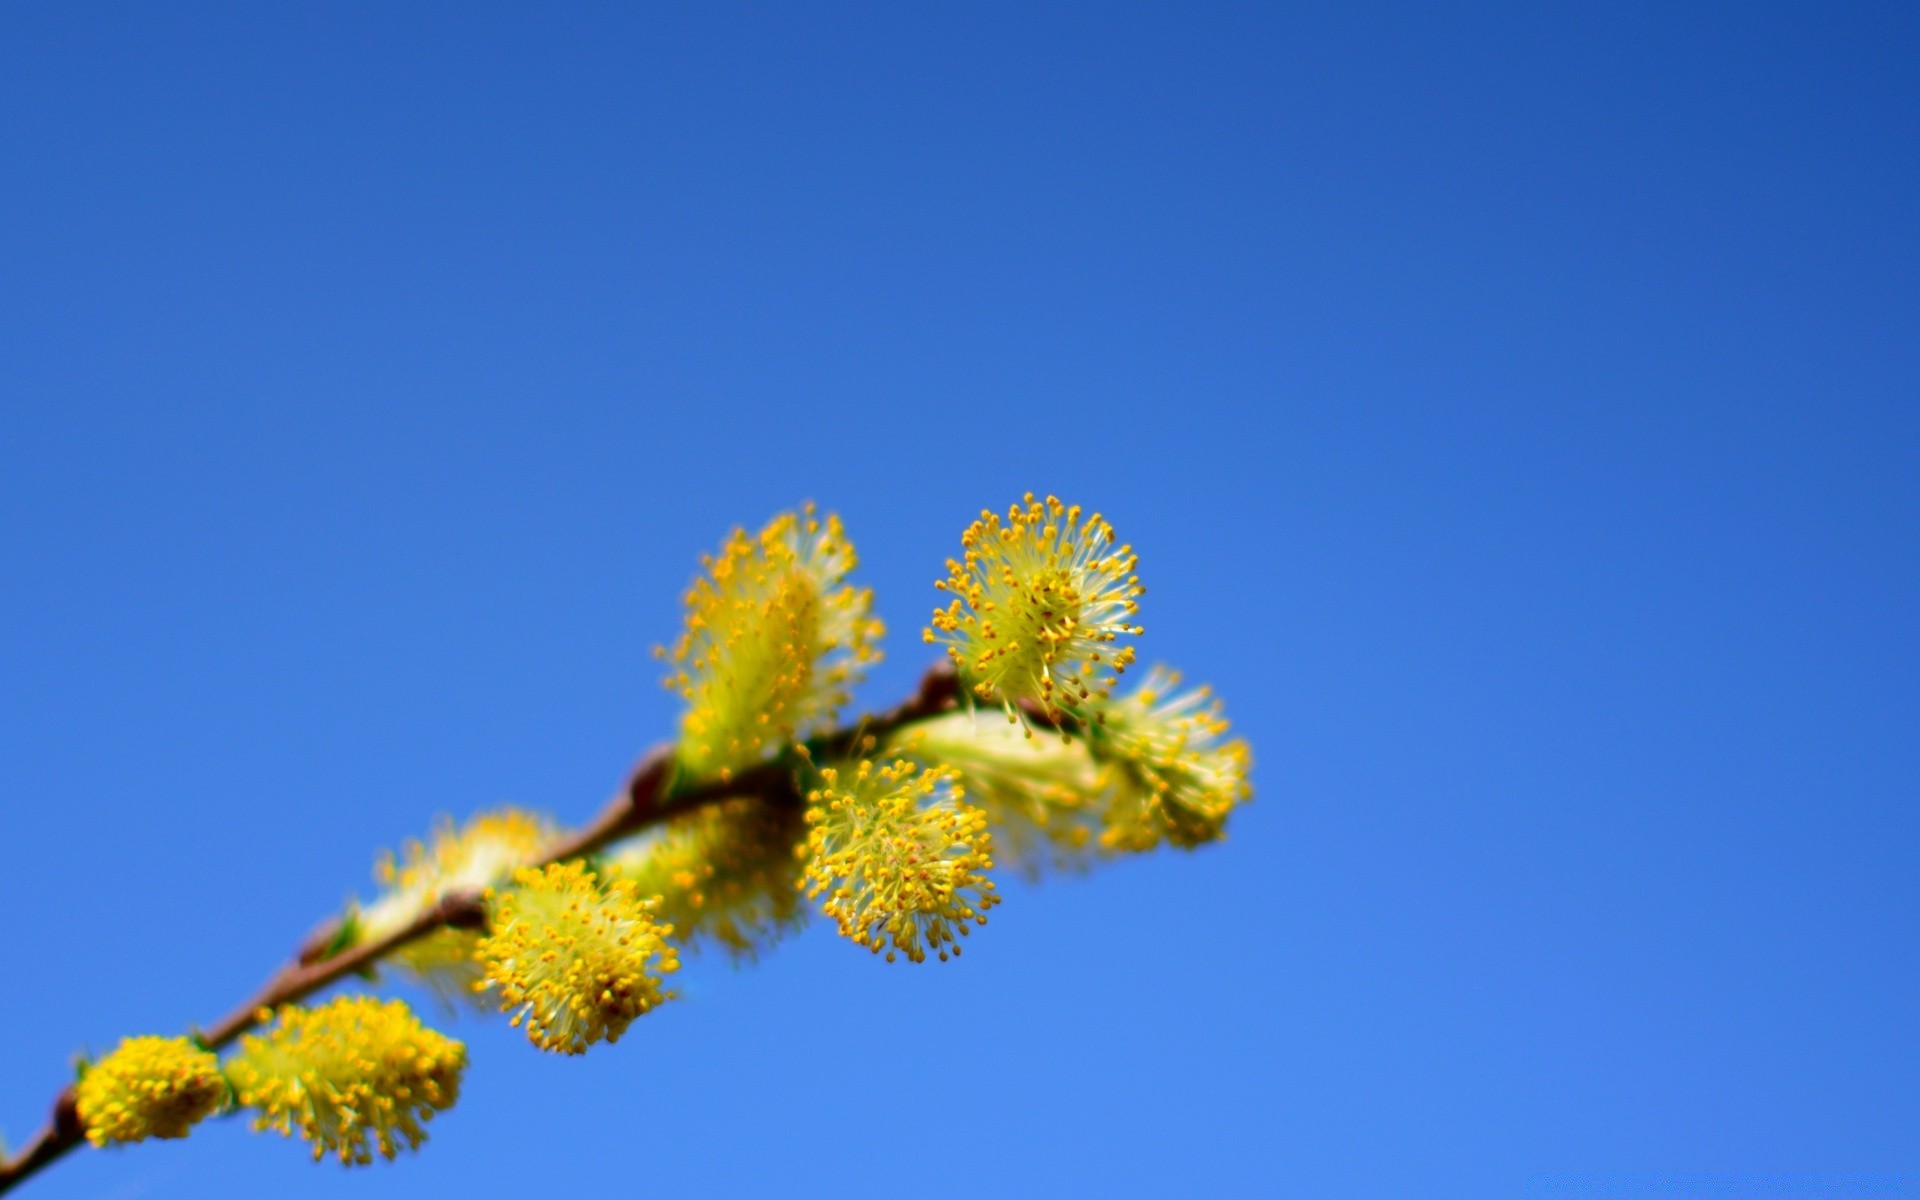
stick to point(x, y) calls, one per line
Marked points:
point(649, 798)
point(62, 1133)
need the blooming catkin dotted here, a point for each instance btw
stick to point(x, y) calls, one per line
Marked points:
point(725, 875)
point(774, 642)
point(149, 1087)
point(1041, 796)
point(352, 1076)
point(899, 859)
point(573, 959)
point(479, 854)
point(1168, 775)
point(1037, 603)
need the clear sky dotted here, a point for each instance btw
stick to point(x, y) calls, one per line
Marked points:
point(1514, 409)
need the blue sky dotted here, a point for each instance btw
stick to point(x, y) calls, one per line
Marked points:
point(1514, 409)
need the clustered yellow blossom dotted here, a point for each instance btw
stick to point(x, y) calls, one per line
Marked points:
point(1167, 773)
point(898, 857)
point(478, 855)
point(897, 854)
point(353, 1076)
point(1041, 796)
point(773, 644)
point(726, 874)
point(1037, 604)
point(149, 1087)
point(573, 958)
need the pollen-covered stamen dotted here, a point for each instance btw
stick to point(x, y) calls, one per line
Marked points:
point(573, 959)
point(1037, 603)
point(149, 1087)
point(353, 1076)
point(899, 859)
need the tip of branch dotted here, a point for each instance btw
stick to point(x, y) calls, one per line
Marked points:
point(66, 1115)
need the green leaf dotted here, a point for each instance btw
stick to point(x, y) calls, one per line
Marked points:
point(345, 933)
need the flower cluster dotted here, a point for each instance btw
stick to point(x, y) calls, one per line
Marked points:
point(773, 644)
point(893, 843)
point(573, 959)
point(727, 874)
point(1037, 604)
point(1167, 774)
point(149, 1087)
point(899, 858)
point(353, 1076)
point(476, 856)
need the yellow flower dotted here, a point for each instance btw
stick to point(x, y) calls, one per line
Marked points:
point(895, 870)
point(575, 960)
point(726, 874)
point(1167, 774)
point(773, 644)
point(1036, 606)
point(354, 1075)
point(1041, 795)
point(149, 1087)
point(475, 857)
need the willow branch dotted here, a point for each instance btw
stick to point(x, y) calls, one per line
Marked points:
point(649, 798)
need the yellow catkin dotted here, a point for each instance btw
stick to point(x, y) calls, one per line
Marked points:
point(1037, 603)
point(353, 1076)
point(573, 959)
point(726, 875)
point(774, 641)
point(149, 1087)
point(898, 858)
point(471, 858)
point(1167, 774)
point(1041, 796)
